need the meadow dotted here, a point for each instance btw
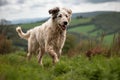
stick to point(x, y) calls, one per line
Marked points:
point(14, 66)
point(30, 25)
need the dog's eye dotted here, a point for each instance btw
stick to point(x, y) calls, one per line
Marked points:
point(66, 15)
point(60, 15)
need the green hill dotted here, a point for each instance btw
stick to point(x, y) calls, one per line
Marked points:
point(105, 22)
point(88, 26)
point(108, 22)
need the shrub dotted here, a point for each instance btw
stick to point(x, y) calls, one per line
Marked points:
point(70, 43)
point(5, 45)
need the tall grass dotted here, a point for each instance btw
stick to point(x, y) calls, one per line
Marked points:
point(15, 67)
point(93, 47)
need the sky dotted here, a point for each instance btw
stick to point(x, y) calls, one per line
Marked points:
point(22, 9)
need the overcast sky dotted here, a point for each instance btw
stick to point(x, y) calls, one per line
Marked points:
point(18, 9)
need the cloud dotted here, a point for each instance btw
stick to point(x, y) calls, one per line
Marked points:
point(3, 2)
point(89, 7)
point(101, 1)
point(16, 9)
point(21, 1)
point(75, 2)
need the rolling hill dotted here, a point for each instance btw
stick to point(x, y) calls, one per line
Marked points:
point(89, 26)
point(90, 14)
point(93, 26)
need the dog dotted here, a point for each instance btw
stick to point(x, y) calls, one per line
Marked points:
point(50, 36)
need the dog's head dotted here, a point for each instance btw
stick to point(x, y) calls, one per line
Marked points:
point(61, 16)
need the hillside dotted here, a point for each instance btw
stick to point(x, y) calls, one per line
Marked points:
point(82, 27)
point(90, 14)
point(95, 25)
point(108, 22)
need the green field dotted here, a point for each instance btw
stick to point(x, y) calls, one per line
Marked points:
point(109, 39)
point(15, 67)
point(75, 21)
point(85, 29)
point(30, 25)
point(95, 33)
point(82, 29)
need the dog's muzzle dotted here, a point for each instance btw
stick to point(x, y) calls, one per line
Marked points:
point(64, 26)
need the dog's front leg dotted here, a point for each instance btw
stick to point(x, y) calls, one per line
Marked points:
point(53, 54)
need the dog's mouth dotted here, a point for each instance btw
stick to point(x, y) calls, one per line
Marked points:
point(63, 27)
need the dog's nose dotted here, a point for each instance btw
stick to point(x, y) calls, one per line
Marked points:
point(65, 22)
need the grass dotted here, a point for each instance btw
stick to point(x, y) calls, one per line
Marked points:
point(109, 39)
point(95, 33)
point(30, 25)
point(15, 67)
point(75, 21)
point(85, 29)
point(82, 29)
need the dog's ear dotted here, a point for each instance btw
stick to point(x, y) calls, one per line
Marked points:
point(69, 11)
point(54, 10)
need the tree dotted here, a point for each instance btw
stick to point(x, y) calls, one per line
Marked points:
point(4, 22)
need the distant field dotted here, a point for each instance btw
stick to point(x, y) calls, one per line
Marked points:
point(85, 29)
point(30, 25)
point(82, 29)
point(108, 39)
point(96, 33)
point(80, 21)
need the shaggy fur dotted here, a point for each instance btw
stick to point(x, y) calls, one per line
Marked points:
point(50, 36)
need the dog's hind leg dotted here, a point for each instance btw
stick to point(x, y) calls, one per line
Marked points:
point(29, 54)
point(32, 47)
point(59, 53)
point(41, 53)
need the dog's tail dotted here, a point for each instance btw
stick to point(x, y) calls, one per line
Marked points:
point(22, 34)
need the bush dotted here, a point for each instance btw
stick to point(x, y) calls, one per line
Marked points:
point(5, 45)
point(70, 43)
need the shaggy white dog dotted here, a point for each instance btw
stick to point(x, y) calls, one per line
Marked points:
point(50, 36)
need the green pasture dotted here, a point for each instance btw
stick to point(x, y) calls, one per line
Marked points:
point(109, 39)
point(85, 29)
point(30, 25)
point(82, 29)
point(75, 21)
